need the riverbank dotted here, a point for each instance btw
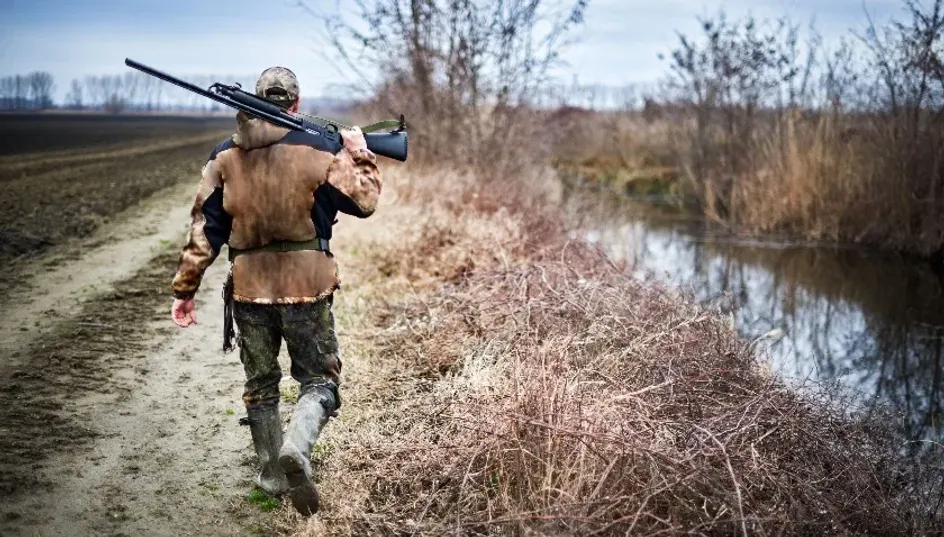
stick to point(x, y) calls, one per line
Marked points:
point(502, 379)
point(769, 205)
point(867, 320)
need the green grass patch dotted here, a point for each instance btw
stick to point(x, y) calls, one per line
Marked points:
point(320, 452)
point(263, 501)
point(289, 393)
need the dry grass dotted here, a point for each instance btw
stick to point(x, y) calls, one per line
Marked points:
point(620, 150)
point(514, 383)
point(771, 132)
point(824, 177)
point(821, 177)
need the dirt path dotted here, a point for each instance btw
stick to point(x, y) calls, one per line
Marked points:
point(112, 422)
point(57, 284)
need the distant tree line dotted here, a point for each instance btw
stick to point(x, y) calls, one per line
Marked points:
point(140, 92)
point(31, 91)
point(131, 91)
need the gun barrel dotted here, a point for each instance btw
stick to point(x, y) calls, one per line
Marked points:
point(168, 78)
point(392, 144)
point(272, 114)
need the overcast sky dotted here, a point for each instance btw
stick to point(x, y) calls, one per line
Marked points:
point(619, 44)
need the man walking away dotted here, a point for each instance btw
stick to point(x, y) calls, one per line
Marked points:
point(272, 195)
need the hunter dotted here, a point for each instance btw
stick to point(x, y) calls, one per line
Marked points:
point(272, 195)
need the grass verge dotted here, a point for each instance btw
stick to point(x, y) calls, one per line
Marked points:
point(502, 380)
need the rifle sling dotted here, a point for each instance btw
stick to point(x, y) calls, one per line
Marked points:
point(373, 127)
point(283, 246)
point(381, 125)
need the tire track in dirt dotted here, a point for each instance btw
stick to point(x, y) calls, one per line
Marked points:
point(43, 210)
point(53, 286)
point(124, 425)
point(119, 424)
point(115, 423)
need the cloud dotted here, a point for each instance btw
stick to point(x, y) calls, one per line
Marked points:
point(622, 40)
point(618, 45)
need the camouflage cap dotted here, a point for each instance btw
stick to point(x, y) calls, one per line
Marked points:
point(279, 85)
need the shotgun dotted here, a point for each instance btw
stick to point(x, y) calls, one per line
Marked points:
point(392, 144)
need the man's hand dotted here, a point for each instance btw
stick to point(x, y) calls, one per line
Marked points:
point(353, 139)
point(184, 312)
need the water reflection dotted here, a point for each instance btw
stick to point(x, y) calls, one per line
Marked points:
point(873, 322)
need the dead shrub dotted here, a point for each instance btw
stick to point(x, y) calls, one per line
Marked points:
point(464, 72)
point(543, 392)
point(777, 134)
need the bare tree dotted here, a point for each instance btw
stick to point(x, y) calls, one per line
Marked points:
point(74, 97)
point(21, 92)
point(7, 92)
point(41, 86)
point(130, 83)
point(726, 79)
point(116, 93)
point(158, 94)
point(464, 69)
point(113, 86)
point(93, 91)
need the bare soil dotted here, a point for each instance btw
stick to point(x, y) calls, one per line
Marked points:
point(112, 422)
point(23, 133)
point(51, 196)
point(117, 424)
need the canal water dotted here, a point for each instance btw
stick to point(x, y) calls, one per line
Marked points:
point(872, 322)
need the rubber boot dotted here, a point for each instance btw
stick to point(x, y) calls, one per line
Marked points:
point(311, 414)
point(266, 427)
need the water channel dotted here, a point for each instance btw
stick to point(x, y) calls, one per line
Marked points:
point(870, 321)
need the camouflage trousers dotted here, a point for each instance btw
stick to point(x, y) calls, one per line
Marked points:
point(308, 331)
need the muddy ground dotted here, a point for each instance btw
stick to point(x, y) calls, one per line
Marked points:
point(111, 421)
point(51, 195)
point(23, 133)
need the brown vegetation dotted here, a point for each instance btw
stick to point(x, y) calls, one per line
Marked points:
point(522, 385)
point(773, 133)
point(464, 73)
point(509, 381)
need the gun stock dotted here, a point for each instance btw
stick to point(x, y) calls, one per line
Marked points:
point(390, 144)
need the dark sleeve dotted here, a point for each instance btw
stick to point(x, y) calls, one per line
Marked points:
point(209, 229)
point(219, 223)
point(340, 202)
point(324, 212)
point(328, 202)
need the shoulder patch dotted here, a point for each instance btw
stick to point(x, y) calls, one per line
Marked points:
point(311, 140)
point(223, 146)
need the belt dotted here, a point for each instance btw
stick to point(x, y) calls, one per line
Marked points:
point(283, 246)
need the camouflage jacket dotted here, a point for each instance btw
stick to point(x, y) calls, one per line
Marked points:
point(264, 184)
